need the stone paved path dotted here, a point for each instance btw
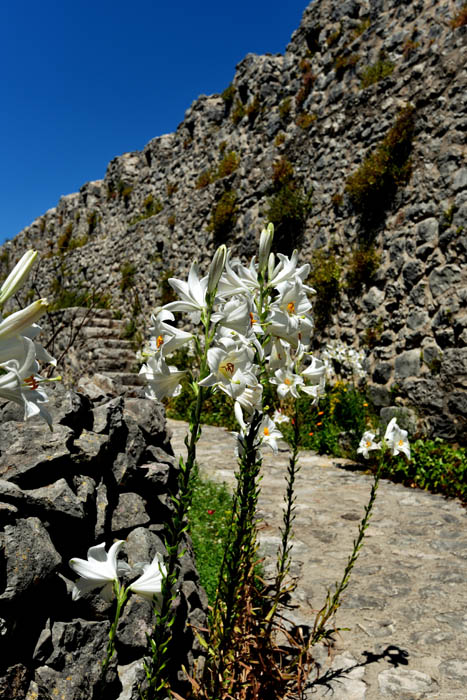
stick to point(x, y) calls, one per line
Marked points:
point(406, 603)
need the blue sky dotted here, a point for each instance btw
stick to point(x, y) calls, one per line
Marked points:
point(83, 81)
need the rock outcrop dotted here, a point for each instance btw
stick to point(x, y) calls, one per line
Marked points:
point(106, 472)
point(353, 142)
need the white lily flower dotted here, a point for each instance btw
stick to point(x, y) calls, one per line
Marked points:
point(292, 299)
point(396, 439)
point(315, 373)
point(367, 444)
point(17, 276)
point(237, 314)
point(280, 417)
point(163, 379)
point(99, 570)
point(294, 329)
point(287, 382)
point(248, 400)
point(21, 320)
point(227, 363)
point(149, 584)
point(20, 381)
point(237, 279)
point(192, 293)
point(165, 337)
point(269, 433)
point(286, 270)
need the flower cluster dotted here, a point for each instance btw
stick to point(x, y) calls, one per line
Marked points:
point(20, 353)
point(395, 439)
point(342, 360)
point(101, 570)
point(262, 326)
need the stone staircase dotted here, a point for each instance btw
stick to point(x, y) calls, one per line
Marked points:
point(98, 348)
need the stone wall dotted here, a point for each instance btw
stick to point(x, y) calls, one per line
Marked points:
point(152, 211)
point(104, 473)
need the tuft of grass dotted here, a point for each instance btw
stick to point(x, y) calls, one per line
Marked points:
point(325, 279)
point(284, 109)
point(374, 184)
point(363, 264)
point(209, 521)
point(376, 72)
point(224, 216)
point(151, 206)
point(228, 96)
point(228, 165)
point(345, 63)
point(460, 19)
point(308, 80)
point(304, 120)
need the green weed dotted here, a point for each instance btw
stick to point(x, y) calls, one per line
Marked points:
point(209, 521)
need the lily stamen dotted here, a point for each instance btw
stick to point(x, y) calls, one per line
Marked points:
point(32, 382)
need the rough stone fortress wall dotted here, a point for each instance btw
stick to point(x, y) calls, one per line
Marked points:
point(316, 140)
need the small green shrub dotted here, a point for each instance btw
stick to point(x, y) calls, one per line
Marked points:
point(376, 72)
point(64, 240)
point(209, 521)
point(171, 221)
point(171, 188)
point(335, 425)
point(128, 272)
point(304, 120)
point(151, 206)
point(288, 210)
point(373, 185)
point(361, 28)
point(284, 109)
point(409, 48)
point(279, 140)
point(282, 172)
point(204, 179)
point(228, 165)
point(334, 37)
point(435, 466)
point(372, 334)
point(124, 191)
point(78, 242)
point(238, 111)
point(460, 19)
point(228, 96)
point(345, 63)
point(92, 219)
point(253, 109)
point(224, 216)
point(325, 279)
point(167, 294)
point(65, 297)
point(308, 80)
point(362, 266)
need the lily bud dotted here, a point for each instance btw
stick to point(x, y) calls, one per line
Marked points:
point(216, 269)
point(17, 276)
point(271, 263)
point(265, 243)
point(21, 320)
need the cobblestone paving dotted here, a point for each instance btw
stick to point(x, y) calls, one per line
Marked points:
point(406, 602)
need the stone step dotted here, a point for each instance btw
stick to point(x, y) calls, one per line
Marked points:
point(127, 378)
point(113, 364)
point(96, 332)
point(113, 353)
